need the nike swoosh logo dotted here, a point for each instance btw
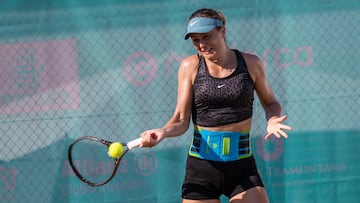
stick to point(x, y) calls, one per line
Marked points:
point(193, 23)
point(220, 86)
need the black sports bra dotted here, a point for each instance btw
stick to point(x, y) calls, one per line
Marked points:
point(220, 101)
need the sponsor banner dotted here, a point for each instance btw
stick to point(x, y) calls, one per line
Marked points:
point(39, 76)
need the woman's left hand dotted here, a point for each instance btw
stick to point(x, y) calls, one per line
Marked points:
point(276, 127)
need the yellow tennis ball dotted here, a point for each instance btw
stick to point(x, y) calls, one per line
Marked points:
point(115, 150)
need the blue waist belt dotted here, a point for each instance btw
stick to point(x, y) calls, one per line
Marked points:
point(220, 146)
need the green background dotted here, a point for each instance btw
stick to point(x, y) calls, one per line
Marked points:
point(112, 73)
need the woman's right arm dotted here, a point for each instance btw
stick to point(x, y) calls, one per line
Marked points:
point(180, 121)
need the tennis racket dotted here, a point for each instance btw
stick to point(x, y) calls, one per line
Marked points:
point(89, 159)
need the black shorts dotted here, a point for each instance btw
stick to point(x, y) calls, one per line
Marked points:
point(210, 179)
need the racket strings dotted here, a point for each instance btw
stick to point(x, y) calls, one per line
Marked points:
point(91, 161)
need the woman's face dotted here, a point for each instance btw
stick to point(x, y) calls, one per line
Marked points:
point(209, 44)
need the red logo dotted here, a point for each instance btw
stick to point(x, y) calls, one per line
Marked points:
point(145, 163)
point(8, 178)
point(39, 76)
point(270, 149)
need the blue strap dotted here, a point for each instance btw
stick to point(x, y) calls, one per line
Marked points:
point(220, 146)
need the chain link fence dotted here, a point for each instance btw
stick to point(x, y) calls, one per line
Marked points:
point(109, 69)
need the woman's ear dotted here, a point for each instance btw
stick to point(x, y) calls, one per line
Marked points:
point(223, 31)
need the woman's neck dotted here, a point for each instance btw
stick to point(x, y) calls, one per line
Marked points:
point(226, 60)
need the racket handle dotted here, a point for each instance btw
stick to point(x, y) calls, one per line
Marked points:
point(134, 143)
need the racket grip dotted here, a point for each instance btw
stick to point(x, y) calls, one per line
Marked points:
point(134, 143)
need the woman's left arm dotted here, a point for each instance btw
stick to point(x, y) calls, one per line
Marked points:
point(267, 98)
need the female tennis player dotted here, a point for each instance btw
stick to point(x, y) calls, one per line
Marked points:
point(216, 89)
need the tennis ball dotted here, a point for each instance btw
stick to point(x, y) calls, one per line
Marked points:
point(115, 150)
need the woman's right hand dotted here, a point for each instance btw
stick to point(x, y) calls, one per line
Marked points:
point(151, 138)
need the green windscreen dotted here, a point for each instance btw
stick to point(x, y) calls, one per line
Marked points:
point(109, 69)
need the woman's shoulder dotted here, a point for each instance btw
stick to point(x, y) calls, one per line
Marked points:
point(189, 66)
point(190, 63)
point(250, 57)
point(254, 64)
